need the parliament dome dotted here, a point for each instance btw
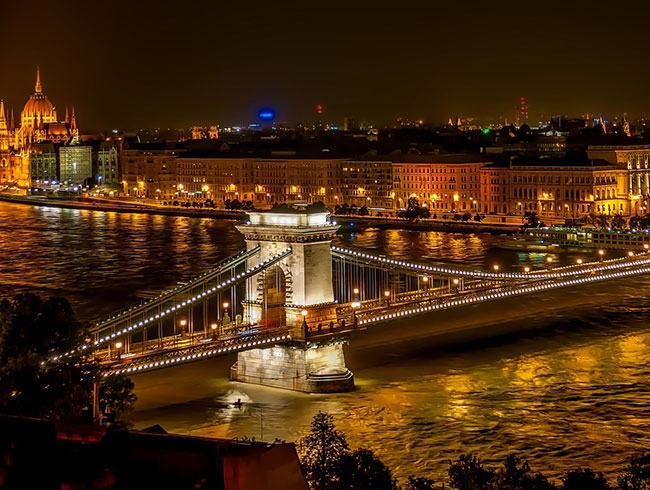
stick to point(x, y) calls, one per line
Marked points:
point(39, 105)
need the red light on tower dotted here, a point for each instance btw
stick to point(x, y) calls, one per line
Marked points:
point(319, 109)
point(523, 108)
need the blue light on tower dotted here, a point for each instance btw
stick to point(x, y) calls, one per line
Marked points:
point(266, 114)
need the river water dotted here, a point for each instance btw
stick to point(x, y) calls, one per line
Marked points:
point(572, 388)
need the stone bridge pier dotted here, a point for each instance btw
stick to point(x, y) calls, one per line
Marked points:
point(296, 289)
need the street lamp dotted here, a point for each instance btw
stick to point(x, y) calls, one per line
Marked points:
point(630, 253)
point(579, 261)
point(355, 290)
point(526, 269)
point(118, 346)
point(495, 267)
point(549, 260)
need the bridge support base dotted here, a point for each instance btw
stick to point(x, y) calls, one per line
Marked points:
point(310, 369)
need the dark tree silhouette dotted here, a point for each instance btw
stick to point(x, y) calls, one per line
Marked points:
point(33, 331)
point(584, 479)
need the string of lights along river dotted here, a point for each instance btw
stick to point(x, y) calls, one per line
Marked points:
point(571, 389)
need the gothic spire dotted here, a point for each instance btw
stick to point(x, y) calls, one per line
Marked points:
point(38, 87)
point(67, 116)
point(12, 126)
point(74, 119)
point(3, 117)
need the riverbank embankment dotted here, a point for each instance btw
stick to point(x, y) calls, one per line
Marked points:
point(95, 204)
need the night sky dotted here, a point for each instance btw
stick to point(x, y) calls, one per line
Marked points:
point(146, 64)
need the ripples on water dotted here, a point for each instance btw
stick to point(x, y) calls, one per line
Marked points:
point(572, 389)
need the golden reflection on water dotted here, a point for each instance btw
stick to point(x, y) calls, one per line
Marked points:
point(575, 391)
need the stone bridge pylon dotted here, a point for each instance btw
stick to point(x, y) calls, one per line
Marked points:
point(296, 290)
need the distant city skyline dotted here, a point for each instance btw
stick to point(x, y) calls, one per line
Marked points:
point(134, 66)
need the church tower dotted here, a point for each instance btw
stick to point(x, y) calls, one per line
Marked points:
point(4, 129)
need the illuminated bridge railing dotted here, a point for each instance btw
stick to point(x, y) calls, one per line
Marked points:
point(175, 355)
point(405, 310)
point(138, 326)
point(641, 258)
point(141, 309)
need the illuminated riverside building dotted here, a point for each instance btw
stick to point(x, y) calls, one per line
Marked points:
point(149, 170)
point(635, 160)
point(440, 182)
point(553, 188)
point(75, 164)
point(39, 123)
point(368, 182)
point(43, 163)
point(261, 180)
point(108, 171)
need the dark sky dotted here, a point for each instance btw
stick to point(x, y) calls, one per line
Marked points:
point(146, 64)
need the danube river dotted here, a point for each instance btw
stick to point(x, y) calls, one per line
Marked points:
point(572, 388)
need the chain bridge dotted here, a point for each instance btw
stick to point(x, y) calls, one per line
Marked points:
point(290, 300)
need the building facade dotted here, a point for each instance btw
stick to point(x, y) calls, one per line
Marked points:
point(635, 161)
point(76, 164)
point(149, 170)
point(108, 160)
point(43, 163)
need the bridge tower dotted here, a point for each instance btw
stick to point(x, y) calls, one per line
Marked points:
point(295, 291)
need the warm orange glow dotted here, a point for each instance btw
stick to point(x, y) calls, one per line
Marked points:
point(549, 259)
point(118, 345)
point(526, 269)
point(303, 312)
point(601, 252)
point(355, 290)
point(213, 326)
point(226, 304)
point(456, 281)
point(387, 293)
point(183, 323)
point(579, 261)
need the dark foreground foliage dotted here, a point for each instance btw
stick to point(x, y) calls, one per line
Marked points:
point(330, 464)
point(32, 332)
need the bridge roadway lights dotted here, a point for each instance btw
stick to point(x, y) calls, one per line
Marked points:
point(310, 368)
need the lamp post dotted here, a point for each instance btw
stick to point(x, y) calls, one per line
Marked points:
point(226, 316)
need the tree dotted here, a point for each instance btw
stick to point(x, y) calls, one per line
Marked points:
point(32, 331)
point(618, 222)
point(584, 479)
point(414, 211)
point(635, 222)
point(515, 474)
point(602, 221)
point(478, 218)
point(362, 470)
point(419, 483)
point(116, 395)
point(636, 474)
point(466, 216)
point(531, 220)
point(321, 451)
point(363, 211)
point(468, 473)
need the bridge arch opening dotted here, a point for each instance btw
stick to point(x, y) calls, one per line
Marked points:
point(274, 297)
